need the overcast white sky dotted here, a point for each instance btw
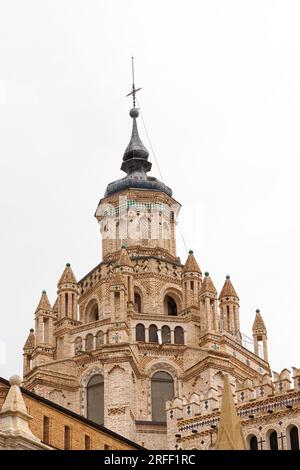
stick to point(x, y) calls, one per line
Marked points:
point(221, 101)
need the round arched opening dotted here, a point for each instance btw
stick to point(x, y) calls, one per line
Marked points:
point(92, 313)
point(272, 439)
point(140, 332)
point(179, 335)
point(252, 443)
point(153, 337)
point(95, 399)
point(292, 435)
point(137, 302)
point(170, 306)
point(166, 334)
point(162, 390)
point(89, 342)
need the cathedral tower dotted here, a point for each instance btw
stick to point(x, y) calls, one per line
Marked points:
point(191, 278)
point(229, 309)
point(140, 328)
point(137, 210)
point(260, 335)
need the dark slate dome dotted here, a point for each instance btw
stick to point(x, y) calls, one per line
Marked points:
point(136, 165)
point(137, 182)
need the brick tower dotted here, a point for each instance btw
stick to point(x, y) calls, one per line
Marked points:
point(141, 328)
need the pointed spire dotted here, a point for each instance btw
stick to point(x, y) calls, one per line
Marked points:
point(14, 417)
point(230, 435)
point(191, 265)
point(136, 152)
point(136, 155)
point(207, 285)
point(124, 259)
point(135, 148)
point(44, 303)
point(135, 160)
point(67, 276)
point(228, 289)
point(29, 344)
point(258, 324)
point(14, 401)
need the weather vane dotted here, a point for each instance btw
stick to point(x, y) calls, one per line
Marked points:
point(134, 90)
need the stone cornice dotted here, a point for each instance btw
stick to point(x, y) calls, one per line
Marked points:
point(168, 319)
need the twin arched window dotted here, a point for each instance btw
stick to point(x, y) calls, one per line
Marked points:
point(89, 342)
point(162, 389)
point(95, 399)
point(169, 305)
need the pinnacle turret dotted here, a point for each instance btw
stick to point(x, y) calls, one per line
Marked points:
point(207, 285)
point(228, 289)
point(258, 324)
point(44, 303)
point(191, 264)
point(67, 276)
point(29, 344)
point(259, 331)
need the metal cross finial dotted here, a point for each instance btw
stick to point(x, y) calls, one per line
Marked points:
point(134, 90)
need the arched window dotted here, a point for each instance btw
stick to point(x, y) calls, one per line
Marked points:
point(153, 338)
point(95, 399)
point(140, 332)
point(92, 313)
point(89, 340)
point(294, 438)
point(166, 334)
point(253, 443)
point(179, 335)
point(78, 345)
point(170, 306)
point(99, 339)
point(162, 389)
point(273, 441)
point(137, 302)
